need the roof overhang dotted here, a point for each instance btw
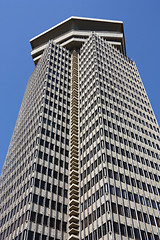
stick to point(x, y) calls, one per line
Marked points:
point(74, 31)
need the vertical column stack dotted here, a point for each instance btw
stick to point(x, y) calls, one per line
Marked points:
point(74, 159)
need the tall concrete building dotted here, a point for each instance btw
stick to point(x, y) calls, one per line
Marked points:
point(84, 159)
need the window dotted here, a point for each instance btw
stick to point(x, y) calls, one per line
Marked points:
point(127, 212)
point(59, 207)
point(99, 232)
point(42, 184)
point(123, 229)
point(130, 232)
point(58, 224)
point(54, 189)
point(44, 237)
point(41, 199)
point(30, 235)
point(133, 213)
point(52, 222)
point(136, 198)
point(64, 226)
point(140, 216)
point(118, 192)
point(114, 209)
point(124, 194)
point(65, 208)
point(33, 216)
point(136, 232)
point(37, 182)
point(45, 221)
point(47, 202)
point(39, 218)
point(112, 189)
point(53, 204)
point(37, 236)
point(120, 210)
point(104, 229)
point(48, 187)
point(65, 193)
point(60, 191)
point(145, 217)
point(152, 220)
point(116, 228)
point(35, 198)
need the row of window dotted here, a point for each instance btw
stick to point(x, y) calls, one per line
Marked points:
point(48, 186)
point(53, 147)
point(118, 139)
point(42, 201)
point(92, 182)
point(37, 236)
point(132, 213)
point(56, 64)
point(121, 69)
point(60, 52)
point(115, 56)
point(94, 197)
point(119, 193)
point(120, 229)
point(123, 130)
point(132, 181)
point(54, 174)
point(123, 178)
point(48, 221)
point(59, 74)
point(127, 122)
point(57, 89)
point(101, 231)
point(15, 210)
point(58, 98)
point(29, 105)
point(52, 135)
point(16, 196)
point(136, 170)
point(110, 83)
point(51, 87)
point(58, 126)
point(120, 210)
point(115, 107)
point(57, 116)
point(123, 164)
point(95, 215)
point(133, 197)
point(15, 225)
point(47, 157)
point(57, 106)
point(127, 100)
point(17, 182)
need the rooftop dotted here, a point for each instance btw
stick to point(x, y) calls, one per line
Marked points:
point(74, 31)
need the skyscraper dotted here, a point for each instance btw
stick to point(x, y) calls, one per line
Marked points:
point(83, 162)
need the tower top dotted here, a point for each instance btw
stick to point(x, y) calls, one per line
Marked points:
point(72, 33)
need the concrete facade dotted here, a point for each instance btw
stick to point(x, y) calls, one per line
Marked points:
point(83, 162)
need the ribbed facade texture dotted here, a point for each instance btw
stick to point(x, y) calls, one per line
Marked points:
point(83, 162)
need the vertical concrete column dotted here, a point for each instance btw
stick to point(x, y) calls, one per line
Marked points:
point(74, 156)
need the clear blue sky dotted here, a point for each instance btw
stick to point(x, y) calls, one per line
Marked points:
point(21, 20)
